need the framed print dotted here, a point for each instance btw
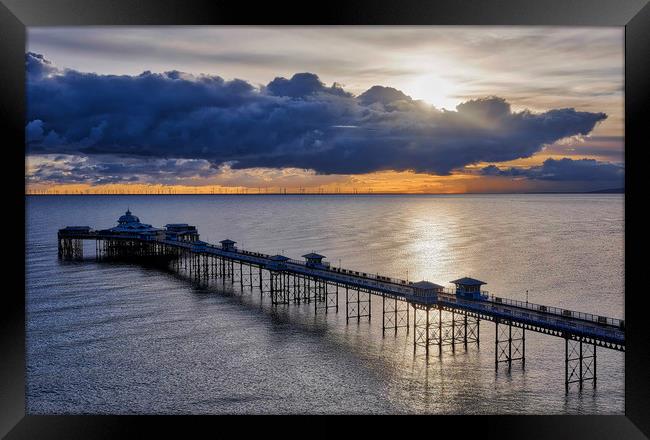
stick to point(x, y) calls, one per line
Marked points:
point(388, 209)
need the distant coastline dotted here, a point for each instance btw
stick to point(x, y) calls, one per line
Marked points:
point(609, 191)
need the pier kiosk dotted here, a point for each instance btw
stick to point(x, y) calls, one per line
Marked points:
point(426, 289)
point(228, 245)
point(315, 260)
point(277, 262)
point(469, 288)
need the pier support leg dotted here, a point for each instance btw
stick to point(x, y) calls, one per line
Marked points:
point(450, 328)
point(71, 249)
point(468, 330)
point(331, 297)
point(296, 289)
point(357, 304)
point(206, 269)
point(395, 314)
point(337, 298)
point(426, 331)
point(579, 363)
point(509, 344)
point(279, 292)
point(271, 282)
point(347, 302)
point(455, 327)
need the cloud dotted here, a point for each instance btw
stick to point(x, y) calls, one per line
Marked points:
point(34, 131)
point(383, 95)
point(106, 169)
point(289, 123)
point(38, 66)
point(564, 169)
point(302, 85)
point(100, 169)
point(604, 148)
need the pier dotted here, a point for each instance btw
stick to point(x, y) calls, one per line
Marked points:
point(437, 316)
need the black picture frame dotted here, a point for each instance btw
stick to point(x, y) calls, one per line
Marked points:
point(16, 15)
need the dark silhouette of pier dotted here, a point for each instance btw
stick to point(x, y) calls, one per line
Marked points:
point(438, 316)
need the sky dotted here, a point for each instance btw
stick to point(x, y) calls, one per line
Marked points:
point(214, 109)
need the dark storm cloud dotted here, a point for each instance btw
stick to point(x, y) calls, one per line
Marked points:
point(298, 122)
point(564, 170)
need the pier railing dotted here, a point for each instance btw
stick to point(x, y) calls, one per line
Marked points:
point(548, 310)
point(536, 318)
point(560, 312)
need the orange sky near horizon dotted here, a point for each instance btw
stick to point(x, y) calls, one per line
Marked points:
point(373, 183)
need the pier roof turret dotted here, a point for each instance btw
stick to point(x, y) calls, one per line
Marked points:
point(467, 281)
point(128, 218)
point(426, 288)
point(129, 223)
point(313, 256)
point(279, 258)
point(427, 285)
point(469, 288)
point(228, 245)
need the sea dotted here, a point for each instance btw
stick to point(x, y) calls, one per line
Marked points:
point(121, 338)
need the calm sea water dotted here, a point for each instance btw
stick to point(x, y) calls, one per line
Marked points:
point(123, 339)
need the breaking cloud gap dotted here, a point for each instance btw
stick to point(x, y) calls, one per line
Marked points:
point(289, 123)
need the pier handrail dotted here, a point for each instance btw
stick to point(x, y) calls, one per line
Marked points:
point(558, 311)
point(350, 276)
point(522, 315)
point(550, 310)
